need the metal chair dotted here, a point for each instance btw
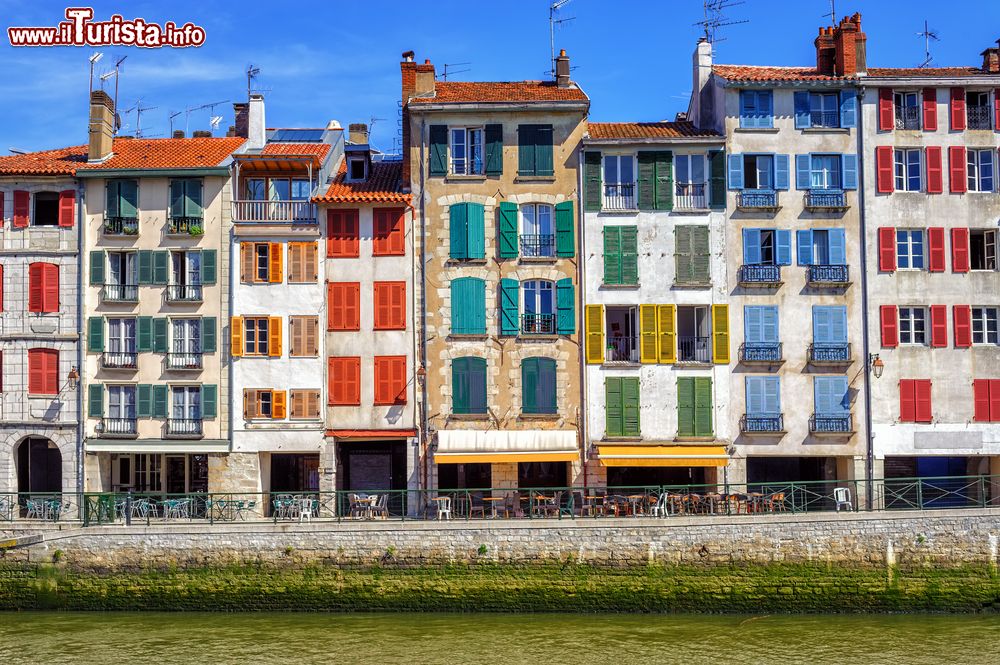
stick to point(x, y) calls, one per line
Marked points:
point(842, 497)
point(380, 507)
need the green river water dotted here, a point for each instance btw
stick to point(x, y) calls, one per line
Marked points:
point(538, 639)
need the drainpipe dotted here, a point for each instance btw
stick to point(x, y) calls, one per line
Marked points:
point(870, 447)
point(424, 429)
point(227, 314)
point(79, 337)
point(581, 257)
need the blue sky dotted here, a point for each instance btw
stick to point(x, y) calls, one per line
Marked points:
point(340, 60)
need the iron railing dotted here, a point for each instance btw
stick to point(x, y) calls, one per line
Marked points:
point(759, 273)
point(821, 423)
point(194, 226)
point(184, 293)
point(619, 196)
point(694, 349)
point(622, 349)
point(691, 196)
point(538, 324)
point(120, 293)
point(979, 117)
point(184, 360)
point(755, 352)
point(907, 117)
point(119, 360)
point(824, 118)
point(937, 492)
point(828, 199)
point(121, 226)
point(752, 423)
point(828, 274)
point(184, 427)
point(271, 212)
point(119, 427)
point(827, 352)
point(538, 246)
point(762, 199)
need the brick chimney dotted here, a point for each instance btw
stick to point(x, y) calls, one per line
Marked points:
point(242, 112)
point(825, 51)
point(850, 44)
point(357, 132)
point(102, 126)
point(178, 134)
point(201, 134)
point(562, 69)
point(991, 59)
point(417, 81)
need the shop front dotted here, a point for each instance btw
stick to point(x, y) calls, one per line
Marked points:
point(653, 465)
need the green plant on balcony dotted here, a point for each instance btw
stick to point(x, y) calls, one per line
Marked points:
point(130, 230)
point(196, 230)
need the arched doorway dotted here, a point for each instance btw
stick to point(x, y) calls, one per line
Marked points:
point(39, 466)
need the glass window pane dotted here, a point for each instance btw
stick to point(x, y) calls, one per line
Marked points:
point(611, 169)
point(627, 170)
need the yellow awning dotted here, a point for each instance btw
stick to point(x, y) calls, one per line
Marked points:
point(663, 455)
point(505, 446)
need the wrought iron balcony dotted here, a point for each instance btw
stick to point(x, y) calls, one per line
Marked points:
point(274, 212)
point(824, 118)
point(694, 349)
point(121, 226)
point(978, 117)
point(184, 427)
point(184, 293)
point(757, 199)
point(764, 423)
point(907, 117)
point(828, 275)
point(119, 360)
point(760, 275)
point(194, 226)
point(120, 293)
point(826, 199)
point(184, 360)
point(691, 196)
point(538, 246)
point(839, 423)
point(752, 352)
point(118, 427)
point(621, 350)
point(619, 197)
point(830, 354)
point(538, 324)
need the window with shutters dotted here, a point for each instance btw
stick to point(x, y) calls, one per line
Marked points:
point(121, 418)
point(824, 172)
point(390, 380)
point(303, 267)
point(121, 212)
point(907, 169)
point(907, 109)
point(761, 247)
point(185, 344)
point(758, 172)
point(691, 182)
point(756, 109)
point(986, 400)
point(468, 306)
point(466, 150)
point(913, 325)
point(344, 376)
point(977, 109)
point(342, 239)
point(468, 389)
point(619, 181)
point(824, 109)
point(120, 347)
point(694, 334)
point(538, 386)
point(983, 250)
point(694, 406)
point(467, 231)
point(621, 256)
point(390, 305)
point(915, 401)
point(980, 169)
point(186, 212)
point(538, 235)
point(43, 372)
point(255, 336)
point(389, 232)
point(909, 249)
point(304, 331)
point(534, 150)
point(185, 276)
point(258, 404)
point(538, 305)
point(621, 341)
point(43, 288)
point(46, 211)
point(343, 303)
point(984, 325)
point(692, 259)
point(304, 404)
point(185, 411)
point(261, 262)
point(621, 407)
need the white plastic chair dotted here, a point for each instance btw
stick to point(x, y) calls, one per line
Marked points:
point(444, 508)
point(661, 507)
point(842, 497)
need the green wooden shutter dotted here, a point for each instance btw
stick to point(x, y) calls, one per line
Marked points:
point(507, 222)
point(717, 179)
point(459, 385)
point(209, 266)
point(95, 400)
point(614, 421)
point(111, 198)
point(592, 182)
point(529, 385)
point(144, 401)
point(647, 180)
point(159, 335)
point(682, 254)
point(192, 198)
point(701, 259)
point(209, 328)
point(565, 307)
point(630, 255)
point(612, 255)
point(476, 226)
point(95, 334)
point(128, 198)
point(664, 180)
point(630, 406)
point(685, 406)
point(543, 150)
point(176, 197)
point(494, 149)
point(510, 293)
point(458, 230)
point(209, 401)
point(526, 149)
point(159, 401)
point(702, 406)
point(468, 306)
point(438, 150)
point(144, 334)
point(97, 268)
point(145, 266)
point(546, 400)
point(565, 236)
point(161, 259)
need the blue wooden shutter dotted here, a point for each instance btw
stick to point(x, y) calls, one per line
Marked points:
point(747, 99)
point(735, 171)
point(765, 104)
point(804, 241)
point(783, 247)
point(802, 167)
point(830, 395)
point(477, 385)
point(769, 324)
point(755, 395)
point(468, 306)
point(509, 310)
point(802, 119)
point(565, 237)
point(781, 175)
point(507, 237)
point(458, 230)
point(837, 239)
point(751, 247)
point(771, 389)
point(476, 226)
point(753, 324)
point(838, 324)
point(849, 171)
point(565, 307)
point(848, 109)
point(822, 328)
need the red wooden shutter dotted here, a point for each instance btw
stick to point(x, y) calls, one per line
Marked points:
point(930, 109)
point(50, 287)
point(890, 326)
point(886, 249)
point(2, 217)
point(886, 119)
point(67, 207)
point(344, 381)
point(380, 301)
point(960, 250)
point(996, 111)
point(939, 326)
point(935, 171)
point(35, 370)
point(922, 400)
point(43, 371)
point(907, 403)
point(883, 167)
point(1, 277)
point(962, 323)
point(995, 400)
point(35, 286)
point(388, 232)
point(956, 169)
point(935, 249)
point(22, 204)
point(981, 400)
point(380, 373)
point(342, 239)
point(343, 306)
point(399, 380)
point(390, 380)
point(957, 109)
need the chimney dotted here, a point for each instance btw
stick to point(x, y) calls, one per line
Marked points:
point(562, 70)
point(357, 132)
point(424, 84)
point(416, 80)
point(242, 112)
point(178, 134)
point(825, 51)
point(102, 123)
point(231, 132)
point(991, 59)
point(702, 107)
point(850, 46)
point(256, 127)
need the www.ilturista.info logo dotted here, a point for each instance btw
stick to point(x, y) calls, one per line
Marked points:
point(80, 30)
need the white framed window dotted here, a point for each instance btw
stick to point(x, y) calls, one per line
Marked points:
point(824, 109)
point(539, 306)
point(121, 269)
point(980, 170)
point(691, 183)
point(758, 172)
point(121, 335)
point(121, 402)
point(467, 150)
point(619, 181)
point(984, 325)
point(983, 250)
point(913, 325)
point(186, 268)
point(186, 335)
point(538, 235)
point(909, 249)
point(907, 163)
point(825, 172)
point(977, 109)
point(907, 106)
point(357, 168)
point(186, 403)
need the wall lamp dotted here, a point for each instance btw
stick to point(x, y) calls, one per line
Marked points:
point(875, 364)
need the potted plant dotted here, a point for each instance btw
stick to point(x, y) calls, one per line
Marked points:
point(196, 230)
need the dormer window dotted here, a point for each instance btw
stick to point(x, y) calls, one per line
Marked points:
point(357, 168)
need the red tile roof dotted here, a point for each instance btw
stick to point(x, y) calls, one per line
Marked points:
point(759, 73)
point(456, 92)
point(647, 130)
point(320, 150)
point(62, 161)
point(382, 186)
point(168, 153)
point(926, 72)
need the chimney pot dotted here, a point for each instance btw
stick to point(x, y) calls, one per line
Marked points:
point(562, 70)
point(407, 56)
point(102, 126)
point(357, 132)
point(991, 60)
point(201, 134)
point(178, 134)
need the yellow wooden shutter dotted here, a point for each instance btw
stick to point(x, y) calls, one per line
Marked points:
point(246, 262)
point(667, 329)
point(647, 334)
point(274, 336)
point(274, 262)
point(236, 336)
point(279, 409)
point(720, 333)
point(595, 334)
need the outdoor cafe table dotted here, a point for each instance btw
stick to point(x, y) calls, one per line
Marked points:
point(493, 504)
point(635, 499)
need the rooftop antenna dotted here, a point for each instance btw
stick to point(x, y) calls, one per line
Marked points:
point(139, 110)
point(447, 71)
point(928, 35)
point(833, 12)
point(211, 110)
point(252, 73)
point(118, 66)
point(371, 125)
point(214, 122)
point(553, 22)
point(94, 58)
point(715, 18)
point(171, 120)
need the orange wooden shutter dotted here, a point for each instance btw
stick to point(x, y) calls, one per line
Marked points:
point(310, 337)
point(236, 336)
point(295, 262)
point(274, 336)
point(389, 232)
point(310, 262)
point(249, 404)
point(274, 262)
point(279, 408)
point(246, 262)
point(67, 207)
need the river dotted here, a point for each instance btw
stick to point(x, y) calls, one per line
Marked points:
point(537, 639)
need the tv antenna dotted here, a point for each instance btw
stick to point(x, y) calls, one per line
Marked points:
point(94, 58)
point(170, 118)
point(252, 74)
point(553, 22)
point(452, 70)
point(716, 19)
point(139, 110)
point(211, 111)
point(833, 13)
point(928, 35)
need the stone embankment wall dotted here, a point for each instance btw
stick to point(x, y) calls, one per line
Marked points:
point(944, 561)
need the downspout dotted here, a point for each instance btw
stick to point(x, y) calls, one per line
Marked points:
point(424, 428)
point(232, 248)
point(869, 441)
point(583, 412)
point(79, 338)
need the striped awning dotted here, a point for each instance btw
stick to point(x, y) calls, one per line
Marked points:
point(654, 455)
point(505, 446)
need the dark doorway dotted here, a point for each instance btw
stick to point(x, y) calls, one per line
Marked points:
point(655, 476)
point(785, 469)
point(465, 476)
point(541, 474)
point(293, 472)
point(804, 481)
point(372, 467)
point(39, 466)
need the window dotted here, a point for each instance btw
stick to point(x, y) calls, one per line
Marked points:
point(907, 163)
point(260, 404)
point(185, 268)
point(43, 372)
point(621, 255)
point(758, 171)
point(46, 209)
point(467, 150)
point(121, 403)
point(468, 384)
point(343, 302)
point(277, 189)
point(824, 109)
point(121, 336)
point(304, 333)
point(689, 174)
point(763, 399)
point(915, 400)
point(344, 375)
point(122, 202)
point(984, 325)
point(390, 305)
point(43, 288)
point(186, 336)
point(824, 172)
point(186, 211)
point(980, 170)
point(304, 404)
point(388, 232)
point(537, 230)
point(255, 335)
point(983, 250)
point(756, 109)
point(909, 250)
point(390, 380)
point(467, 231)
point(302, 263)
point(538, 386)
point(260, 262)
point(760, 325)
point(822, 247)
point(907, 110)
point(619, 182)
point(694, 406)
point(986, 398)
point(186, 409)
point(912, 325)
point(122, 269)
point(534, 150)
point(539, 307)
point(767, 247)
point(342, 240)
point(621, 407)
point(977, 109)
point(357, 168)
point(468, 306)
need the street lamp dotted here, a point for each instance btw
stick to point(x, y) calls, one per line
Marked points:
point(73, 378)
point(875, 364)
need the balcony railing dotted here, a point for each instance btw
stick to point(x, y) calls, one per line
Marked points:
point(118, 427)
point(760, 274)
point(120, 293)
point(907, 117)
point(752, 423)
point(184, 292)
point(826, 199)
point(830, 353)
point(979, 117)
point(690, 196)
point(757, 199)
point(119, 360)
point(538, 246)
point(828, 274)
point(619, 197)
point(622, 349)
point(694, 349)
point(753, 352)
point(274, 212)
point(824, 118)
point(194, 226)
point(830, 424)
point(184, 360)
point(538, 324)
point(121, 226)
point(184, 427)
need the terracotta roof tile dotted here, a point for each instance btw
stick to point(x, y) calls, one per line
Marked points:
point(926, 72)
point(320, 150)
point(168, 153)
point(759, 73)
point(62, 161)
point(382, 186)
point(455, 92)
point(647, 130)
